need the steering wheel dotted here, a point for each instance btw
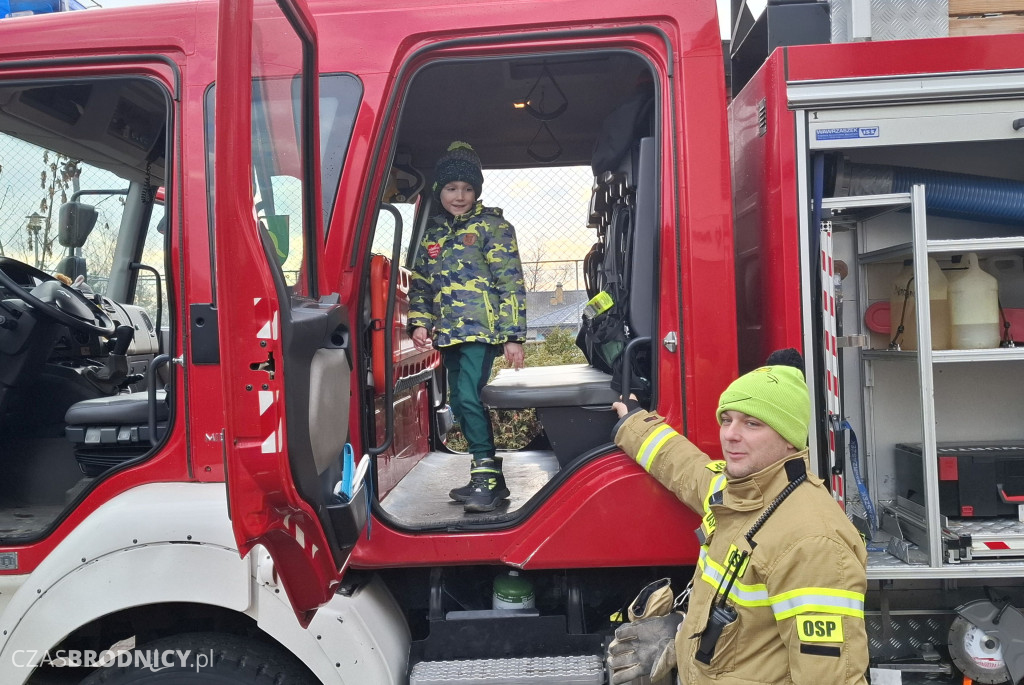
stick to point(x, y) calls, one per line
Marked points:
point(55, 300)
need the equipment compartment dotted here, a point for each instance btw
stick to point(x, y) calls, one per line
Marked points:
point(962, 158)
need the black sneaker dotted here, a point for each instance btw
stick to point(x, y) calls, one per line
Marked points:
point(484, 495)
point(462, 494)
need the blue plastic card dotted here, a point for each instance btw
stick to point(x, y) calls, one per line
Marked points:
point(348, 464)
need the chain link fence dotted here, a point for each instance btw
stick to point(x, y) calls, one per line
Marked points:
point(35, 182)
point(549, 207)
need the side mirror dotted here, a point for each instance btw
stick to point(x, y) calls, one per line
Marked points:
point(75, 222)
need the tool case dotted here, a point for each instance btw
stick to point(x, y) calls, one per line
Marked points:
point(975, 479)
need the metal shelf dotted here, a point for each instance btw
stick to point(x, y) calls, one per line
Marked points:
point(870, 202)
point(976, 245)
point(884, 566)
point(906, 250)
point(863, 207)
point(997, 354)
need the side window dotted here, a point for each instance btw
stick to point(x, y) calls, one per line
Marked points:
point(284, 224)
point(340, 95)
point(146, 287)
point(406, 191)
point(280, 197)
point(384, 232)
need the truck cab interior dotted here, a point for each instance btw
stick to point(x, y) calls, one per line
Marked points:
point(83, 298)
point(570, 149)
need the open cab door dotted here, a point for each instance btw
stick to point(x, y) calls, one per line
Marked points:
point(283, 347)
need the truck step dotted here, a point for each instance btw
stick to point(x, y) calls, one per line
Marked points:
point(538, 670)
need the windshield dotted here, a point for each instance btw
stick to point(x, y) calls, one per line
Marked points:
point(38, 184)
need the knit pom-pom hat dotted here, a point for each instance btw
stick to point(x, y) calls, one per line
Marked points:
point(459, 163)
point(776, 395)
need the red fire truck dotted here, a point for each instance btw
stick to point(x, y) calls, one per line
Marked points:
point(205, 313)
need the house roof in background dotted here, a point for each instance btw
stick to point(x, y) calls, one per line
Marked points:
point(541, 313)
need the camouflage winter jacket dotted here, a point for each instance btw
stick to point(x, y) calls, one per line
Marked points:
point(467, 282)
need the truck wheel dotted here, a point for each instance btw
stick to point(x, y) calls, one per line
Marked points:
point(212, 659)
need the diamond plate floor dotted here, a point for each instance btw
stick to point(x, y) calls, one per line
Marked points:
point(559, 670)
point(421, 498)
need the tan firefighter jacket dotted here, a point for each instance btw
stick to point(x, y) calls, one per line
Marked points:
point(799, 599)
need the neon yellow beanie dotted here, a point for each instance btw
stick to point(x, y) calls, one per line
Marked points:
point(776, 395)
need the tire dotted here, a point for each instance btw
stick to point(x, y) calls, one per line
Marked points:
point(213, 659)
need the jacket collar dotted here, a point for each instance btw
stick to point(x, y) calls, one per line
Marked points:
point(446, 217)
point(757, 490)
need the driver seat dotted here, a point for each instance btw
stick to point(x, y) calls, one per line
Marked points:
point(107, 431)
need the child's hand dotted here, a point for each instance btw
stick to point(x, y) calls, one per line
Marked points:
point(420, 338)
point(624, 406)
point(514, 355)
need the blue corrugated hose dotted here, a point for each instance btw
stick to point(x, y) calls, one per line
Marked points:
point(964, 196)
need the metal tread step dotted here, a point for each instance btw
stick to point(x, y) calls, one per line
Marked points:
point(537, 670)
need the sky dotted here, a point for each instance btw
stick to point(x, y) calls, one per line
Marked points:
point(723, 8)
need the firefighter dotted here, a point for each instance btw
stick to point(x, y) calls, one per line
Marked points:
point(778, 592)
point(467, 297)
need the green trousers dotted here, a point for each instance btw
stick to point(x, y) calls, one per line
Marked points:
point(469, 368)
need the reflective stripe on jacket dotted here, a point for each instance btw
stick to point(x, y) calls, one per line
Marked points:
point(800, 597)
point(467, 282)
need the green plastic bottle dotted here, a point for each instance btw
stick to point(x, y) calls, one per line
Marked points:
point(512, 591)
